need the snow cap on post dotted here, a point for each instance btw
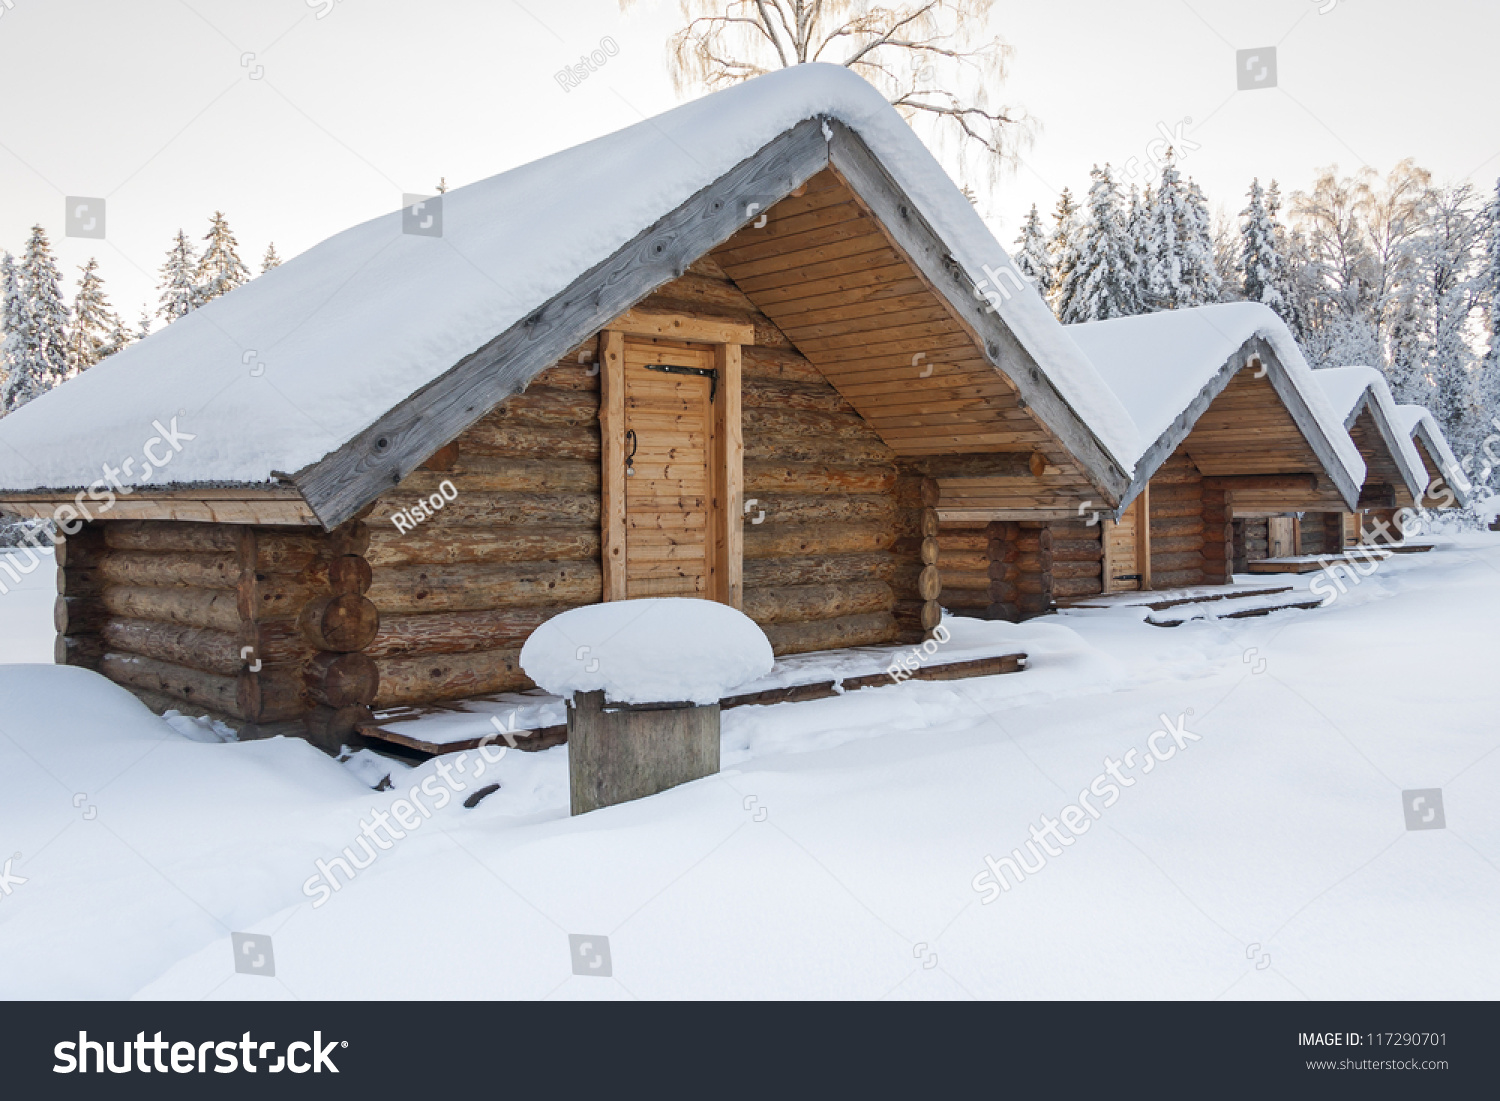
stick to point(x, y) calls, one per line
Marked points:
point(657, 650)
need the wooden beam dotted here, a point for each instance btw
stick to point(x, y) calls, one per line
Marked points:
point(996, 464)
point(260, 510)
point(344, 481)
point(677, 327)
point(612, 472)
point(1143, 536)
point(1230, 483)
point(1377, 495)
point(910, 233)
point(729, 474)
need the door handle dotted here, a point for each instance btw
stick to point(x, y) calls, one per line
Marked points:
point(634, 442)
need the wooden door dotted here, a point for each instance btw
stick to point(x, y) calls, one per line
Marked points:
point(1281, 537)
point(1127, 548)
point(669, 483)
point(673, 468)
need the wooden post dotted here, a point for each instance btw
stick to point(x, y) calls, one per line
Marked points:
point(1218, 536)
point(1001, 553)
point(617, 752)
point(930, 582)
point(612, 437)
point(729, 475)
point(1143, 536)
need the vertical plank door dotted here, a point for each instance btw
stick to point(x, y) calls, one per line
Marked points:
point(668, 443)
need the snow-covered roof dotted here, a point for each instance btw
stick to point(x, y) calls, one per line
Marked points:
point(1417, 423)
point(283, 371)
point(1157, 364)
point(1353, 389)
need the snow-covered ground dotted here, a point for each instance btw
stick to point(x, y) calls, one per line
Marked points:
point(838, 853)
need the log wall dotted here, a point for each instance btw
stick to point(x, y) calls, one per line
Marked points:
point(258, 627)
point(1002, 570)
point(1178, 527)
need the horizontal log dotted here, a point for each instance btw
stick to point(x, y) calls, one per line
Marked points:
point(1077, 552)
point(1176, 544)
point(342, 680)
point(545, 406)
point(503, 510)
point(1176, 579)
point(1232, 482)
point(531, 441)
point(477, 586)
point(211, 690)
point(787, 508)
point(964, 579)
point(1377, 495)
point(788, 423)
point(458, 632)
point(1175, 525)
point(213, 651)
point(1075, 586)
point(810, 478)
point(801, 540)
point(191, 607)
point(873, 629)
point(955, 540)
point(1074, 571)
point(1183, 560)
point(342, 623)
point(765, 445)
point(427, 678)
point(562, 543)
point(803, 603)
point(996, 464)
point(818, 396)
point(496, 474)
point(171, 536)
point(83, 651)
point(821, 569)
point(1187, 491)
point(970, 561)
point(330, 728)
point(759, 362)
point(275, 693)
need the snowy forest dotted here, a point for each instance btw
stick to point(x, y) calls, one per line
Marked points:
point(47, 340)
point(1398, 273)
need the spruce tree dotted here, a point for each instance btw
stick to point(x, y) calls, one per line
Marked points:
point(1136, 229)
point(1063, 247)
point(1200, 274)
point(1261, 263)
point(270, 259)
point(143, 326)
point(94, 333)
point(14, 321)
point(1164, 221)
point(1101, 283)
point(1032, 257)
point(178, 290)
point(221, 269)
point(39, 358)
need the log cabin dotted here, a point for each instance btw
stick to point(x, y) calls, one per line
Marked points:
point(1395, 478)
point(747, 351)
point(1445, 483)
point(1236, 431)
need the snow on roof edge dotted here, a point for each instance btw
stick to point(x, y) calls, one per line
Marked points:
point(315, 351)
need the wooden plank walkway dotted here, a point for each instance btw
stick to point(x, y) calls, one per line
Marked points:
point(402, 726)
point(1311, 563)
point(1158, 599)
point(1235, 608)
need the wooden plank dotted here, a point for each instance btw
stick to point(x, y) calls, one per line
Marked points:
point(549, 736)
point(612, 434)
point(901, 220)
point(1142, 506)
point(340, 484)
point(279, 512)
point(729, 475)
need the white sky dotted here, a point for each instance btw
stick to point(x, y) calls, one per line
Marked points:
point(148, 104)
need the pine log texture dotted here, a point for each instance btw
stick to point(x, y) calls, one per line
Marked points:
point(481, 586)
point(829, 634)
point(803, 603)
point(428, 678)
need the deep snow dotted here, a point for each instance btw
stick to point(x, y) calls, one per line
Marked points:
point(835, 856)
